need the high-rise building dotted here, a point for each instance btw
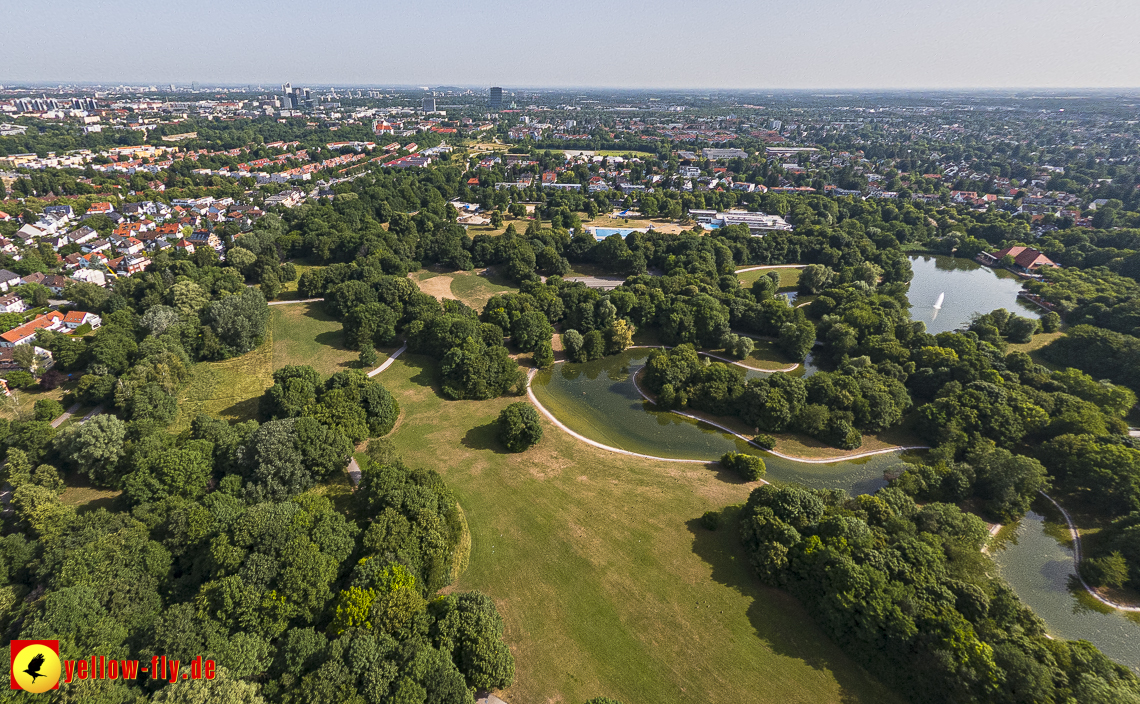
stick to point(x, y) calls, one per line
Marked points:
point(496, 99)
point(429, 104)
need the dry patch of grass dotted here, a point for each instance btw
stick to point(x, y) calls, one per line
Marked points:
point(604, 578)
point(473, 288)
point(230, 389)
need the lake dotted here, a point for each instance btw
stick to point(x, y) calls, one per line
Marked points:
point(1040, 570)
point(599, 400)
point(969, 287)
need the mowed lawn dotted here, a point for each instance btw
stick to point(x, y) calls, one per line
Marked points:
point(789, 278)
point(604, 578)
point(303, 333)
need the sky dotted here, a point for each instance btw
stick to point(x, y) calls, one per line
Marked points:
point(665, 44)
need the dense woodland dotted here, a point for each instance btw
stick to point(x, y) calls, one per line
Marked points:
point(227, 554)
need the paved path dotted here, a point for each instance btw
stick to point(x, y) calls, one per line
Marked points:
point(94, 412)
point(605, 283)
point(354, 472)
point(716, 356)
point(300, 300)
point(588, 441)
point(771, 266)
point(1076, 536)
point(844, 458)
point(66, 414)
point(388, 363)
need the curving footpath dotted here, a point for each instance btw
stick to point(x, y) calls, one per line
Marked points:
point(723, 359)
point(804, 460)
point(771, 266)
point(1076, 536)
point(389, 361)
point(588, 441)
point(550, 416)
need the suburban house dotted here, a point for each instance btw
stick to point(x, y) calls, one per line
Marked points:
point(83, 235)
point(77, 318)
point(55, 283)
point(204, 237)
point(27, 332)
point(12, 304)
point(1024, 258)
point(8, 280)
point(184, 246)
point(90, 276)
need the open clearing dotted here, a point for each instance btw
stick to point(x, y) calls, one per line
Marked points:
point(604, 578)
point(789, 278)
point(474, 288)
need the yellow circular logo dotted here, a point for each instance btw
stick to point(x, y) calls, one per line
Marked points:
point(36, 668)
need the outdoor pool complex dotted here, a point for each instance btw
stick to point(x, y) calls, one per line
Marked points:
point(600, 233)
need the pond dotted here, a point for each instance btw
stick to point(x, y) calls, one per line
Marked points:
point(599, 401)
point(1040, 570)
point(969, 288)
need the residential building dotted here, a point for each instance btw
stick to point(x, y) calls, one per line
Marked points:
point(26, 333)
point(1025, 258)
point(8, 280)
point(76, 318)
point(12, 304)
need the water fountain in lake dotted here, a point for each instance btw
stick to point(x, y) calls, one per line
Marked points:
point(938, 304)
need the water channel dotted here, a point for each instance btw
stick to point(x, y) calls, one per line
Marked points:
point(599, 400)
point(969, 287)
point(1039, 567)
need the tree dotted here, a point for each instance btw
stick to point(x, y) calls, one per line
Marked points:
point(573, 343)
point(1108, 571)
point(797, 339)
point(530, 329)
point(519, 427)
point(270, 285)
point(593, 345)
point(619, 336)
point(814, 278)
point(240, 258)
point(48, 409)
point(95, 448)
point(239, 321)
point(158, 319)
point(544, 355)
point(368, 357)
point(473, 370)
point(86, 296)
point(25, 356)
point(285, 457)
point(188, 297)
point(748, 467)
point(1051, 322)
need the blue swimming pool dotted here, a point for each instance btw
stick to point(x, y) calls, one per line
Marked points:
point(600, 233)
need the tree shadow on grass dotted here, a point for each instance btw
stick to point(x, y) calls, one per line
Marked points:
point(427, 371)
point(484, 437)
point(333, 339)
point(778, 619)
point(247, 409)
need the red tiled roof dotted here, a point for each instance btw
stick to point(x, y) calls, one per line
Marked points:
point(1026, 257)
point(28, 329)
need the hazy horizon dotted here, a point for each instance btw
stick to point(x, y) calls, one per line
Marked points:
point(820, 45)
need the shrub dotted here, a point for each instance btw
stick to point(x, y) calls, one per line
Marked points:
point(544, 355)
point(519, 427)
point(368, 357)
point(749, 467)
point(765, 441)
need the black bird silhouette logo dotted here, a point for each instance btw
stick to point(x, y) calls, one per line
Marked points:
point(34, 666)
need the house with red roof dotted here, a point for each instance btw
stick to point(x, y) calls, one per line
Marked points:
point(77, 318)
point(27, 332)
point(1026, 258)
